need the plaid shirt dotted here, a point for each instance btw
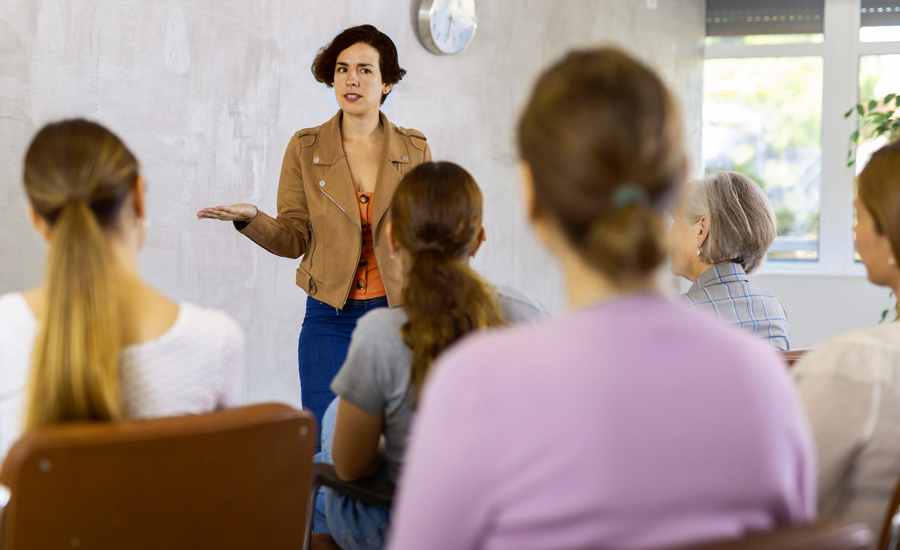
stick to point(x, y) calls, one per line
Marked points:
point(726, 291)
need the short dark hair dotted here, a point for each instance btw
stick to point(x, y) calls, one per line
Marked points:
point(325, 61)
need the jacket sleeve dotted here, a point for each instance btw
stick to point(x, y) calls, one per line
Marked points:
point(288, 234)
point(427, 152)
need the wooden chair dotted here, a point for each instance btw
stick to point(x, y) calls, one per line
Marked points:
point(792, 356)
point(822, 535)
point(233, 479)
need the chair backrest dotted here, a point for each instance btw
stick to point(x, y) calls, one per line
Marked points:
point(226, 480)
point(792, 356)
point(890, 532)
point(822, 535)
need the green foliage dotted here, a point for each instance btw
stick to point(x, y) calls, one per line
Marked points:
point(874, 119)
point(786, 219)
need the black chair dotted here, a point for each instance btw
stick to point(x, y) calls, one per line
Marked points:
point(371, 491)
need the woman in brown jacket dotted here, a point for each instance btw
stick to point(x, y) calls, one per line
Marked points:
point(337, 182)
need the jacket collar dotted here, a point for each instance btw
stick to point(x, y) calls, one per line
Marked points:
point(329, 149)
point(718, 274)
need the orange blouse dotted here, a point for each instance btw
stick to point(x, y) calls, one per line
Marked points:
point(367, 283)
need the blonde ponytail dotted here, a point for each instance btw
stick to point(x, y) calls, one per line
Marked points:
point(75, 367)
point(77, 175)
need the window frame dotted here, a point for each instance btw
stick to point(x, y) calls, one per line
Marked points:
point(840, 52)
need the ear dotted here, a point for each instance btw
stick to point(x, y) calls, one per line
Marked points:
point(139, 203)
point(702, 230)
point(528, 198)
point(482, 236)
point(387, 89)
point(392, 242)
point(40, 225)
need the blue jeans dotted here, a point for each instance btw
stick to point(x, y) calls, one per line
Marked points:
point(322, 349)
point(353, 524)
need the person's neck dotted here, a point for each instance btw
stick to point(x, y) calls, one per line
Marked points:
point(123, 267)
point(361, 127)
point(699, 268)
point(585, 286)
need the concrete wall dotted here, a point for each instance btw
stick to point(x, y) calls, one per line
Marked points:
point(207, 93)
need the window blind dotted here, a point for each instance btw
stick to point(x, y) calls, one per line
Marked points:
point(877, 13)
point(749, 17)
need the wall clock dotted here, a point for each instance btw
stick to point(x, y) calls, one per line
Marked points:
point(447, 26)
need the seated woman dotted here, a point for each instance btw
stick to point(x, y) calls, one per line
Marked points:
point(850, 384)
point(435, 229)
point(95, 342)
point(724, 226)
point(633, 421)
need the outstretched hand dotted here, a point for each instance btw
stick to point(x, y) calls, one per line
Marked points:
point(234, 213)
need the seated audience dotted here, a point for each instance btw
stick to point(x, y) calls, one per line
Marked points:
point(632, 421)
point(850, 384)
point(95, 342)
point(724, 226)
point(435, 229)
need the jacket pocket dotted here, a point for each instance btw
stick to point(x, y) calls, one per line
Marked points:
point(312, 243)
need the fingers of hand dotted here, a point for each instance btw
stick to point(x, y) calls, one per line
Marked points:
point(216, 214)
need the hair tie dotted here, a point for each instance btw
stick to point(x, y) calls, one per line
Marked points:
point(628, 194)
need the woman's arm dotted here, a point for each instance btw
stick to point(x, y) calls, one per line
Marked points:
point(840, 411)
point(288, 234)
point(354, 448)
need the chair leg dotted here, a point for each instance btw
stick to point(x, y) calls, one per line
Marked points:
point(310, 510)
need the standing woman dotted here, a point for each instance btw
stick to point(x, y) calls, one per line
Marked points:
point(336, 185)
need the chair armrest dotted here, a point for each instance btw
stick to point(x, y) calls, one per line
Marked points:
point(371, 491)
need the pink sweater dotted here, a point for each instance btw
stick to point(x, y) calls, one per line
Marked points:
point(633, 424)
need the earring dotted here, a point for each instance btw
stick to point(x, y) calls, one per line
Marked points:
point(394, 255)
point(698, 250)
point(891, 261)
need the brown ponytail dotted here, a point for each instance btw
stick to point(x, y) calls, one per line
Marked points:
point(602, 138)
point(436, 215)
point(77, 175)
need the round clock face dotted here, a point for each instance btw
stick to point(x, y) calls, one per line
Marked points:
point(447, 26)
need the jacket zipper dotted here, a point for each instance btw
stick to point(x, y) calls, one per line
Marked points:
point(358, 241)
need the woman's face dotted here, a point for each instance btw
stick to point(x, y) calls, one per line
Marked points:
point(874, 248)
point(357, 79)
point(683, 243)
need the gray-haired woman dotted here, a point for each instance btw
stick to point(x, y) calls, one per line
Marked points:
point(724, 225)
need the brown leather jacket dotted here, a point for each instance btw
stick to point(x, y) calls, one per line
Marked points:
point(318, 216)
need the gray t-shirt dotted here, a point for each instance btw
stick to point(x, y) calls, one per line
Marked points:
point(375, 375)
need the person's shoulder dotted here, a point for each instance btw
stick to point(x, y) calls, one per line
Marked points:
point(411, 133)
point(306, 137)
point(411, 136)
point(870, 354)
point(518, 305)
point(12, 301)
point(380, 321)
point(213, 322)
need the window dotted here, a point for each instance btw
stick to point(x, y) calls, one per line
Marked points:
point(778, 78)
point(763, 117)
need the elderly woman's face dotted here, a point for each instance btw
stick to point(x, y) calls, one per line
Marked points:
point(683, 242)
point(874, 248)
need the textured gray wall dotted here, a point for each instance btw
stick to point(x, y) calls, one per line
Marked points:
point(207, 94)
